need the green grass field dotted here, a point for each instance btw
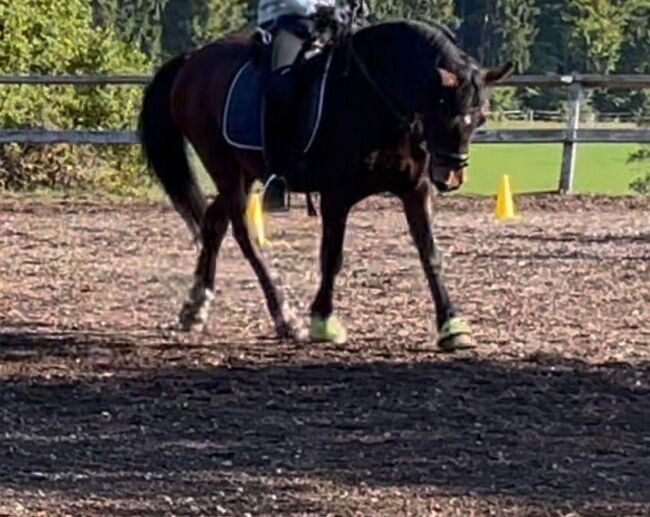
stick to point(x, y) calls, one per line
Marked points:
point(601, 168)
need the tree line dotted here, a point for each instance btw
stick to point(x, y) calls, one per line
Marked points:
point(539, 36)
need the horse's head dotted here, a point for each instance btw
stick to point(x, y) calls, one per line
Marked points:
point(458, 110)
point(434, 89)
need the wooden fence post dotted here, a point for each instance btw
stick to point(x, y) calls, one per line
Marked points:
point(567, 174)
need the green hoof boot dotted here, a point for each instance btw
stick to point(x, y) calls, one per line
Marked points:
point(329, 330)
point(455, 334)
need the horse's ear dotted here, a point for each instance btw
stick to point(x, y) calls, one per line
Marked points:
point(447, 79)
point(494, 75)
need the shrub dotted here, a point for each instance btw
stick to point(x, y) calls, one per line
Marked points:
point(641, 185)
point(54, 37)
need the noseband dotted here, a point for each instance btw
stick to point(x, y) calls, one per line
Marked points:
point(460, 161)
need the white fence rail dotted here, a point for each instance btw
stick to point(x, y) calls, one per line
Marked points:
point(569, 137)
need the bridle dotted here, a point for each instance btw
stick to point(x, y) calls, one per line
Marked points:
point(457, 159)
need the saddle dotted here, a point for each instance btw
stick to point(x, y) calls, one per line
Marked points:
point(244, 110)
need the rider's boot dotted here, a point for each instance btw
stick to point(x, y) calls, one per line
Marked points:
point(280, 149)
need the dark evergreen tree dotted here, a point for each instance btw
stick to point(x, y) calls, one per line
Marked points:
point(496, 31)
point(441, 11)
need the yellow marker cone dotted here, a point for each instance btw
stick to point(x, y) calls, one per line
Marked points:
point(505, 204)
point(255, 219)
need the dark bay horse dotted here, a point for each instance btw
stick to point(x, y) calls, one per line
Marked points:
point(401, 106)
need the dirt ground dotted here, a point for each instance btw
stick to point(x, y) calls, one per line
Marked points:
point(105, 409)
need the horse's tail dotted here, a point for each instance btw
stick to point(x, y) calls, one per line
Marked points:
point(164, 147)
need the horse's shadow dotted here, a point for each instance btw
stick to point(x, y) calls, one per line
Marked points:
point(547, 431)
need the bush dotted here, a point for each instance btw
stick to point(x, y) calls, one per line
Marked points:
point(641, 185)
point(504, 99)
point(54, 37)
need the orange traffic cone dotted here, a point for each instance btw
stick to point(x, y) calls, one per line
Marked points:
point(255, 219)
point(505, 204)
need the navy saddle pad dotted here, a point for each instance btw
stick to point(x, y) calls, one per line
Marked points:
point(242, 120)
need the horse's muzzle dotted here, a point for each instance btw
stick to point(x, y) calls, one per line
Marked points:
point(455, 179)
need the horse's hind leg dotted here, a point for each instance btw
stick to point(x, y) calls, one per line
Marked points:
point(214, 228)
point(215, 157)
point(229, 206)
point(280, 313)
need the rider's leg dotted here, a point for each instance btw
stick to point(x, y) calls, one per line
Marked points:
point(278, 129)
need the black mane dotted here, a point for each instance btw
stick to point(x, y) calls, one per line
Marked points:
point(405, 56)
point(440, 38)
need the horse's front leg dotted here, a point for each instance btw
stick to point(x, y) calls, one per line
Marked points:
point(325, 326)
point(453, 332)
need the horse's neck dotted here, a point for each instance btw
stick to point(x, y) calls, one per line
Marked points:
point(396, 76)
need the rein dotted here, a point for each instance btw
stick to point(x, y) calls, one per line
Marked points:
point(390, 104)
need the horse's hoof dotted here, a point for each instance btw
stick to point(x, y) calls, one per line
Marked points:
point(329, 330)
point(455, 334)
point(189, 319)
point(286, 331)
point(195, 312)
